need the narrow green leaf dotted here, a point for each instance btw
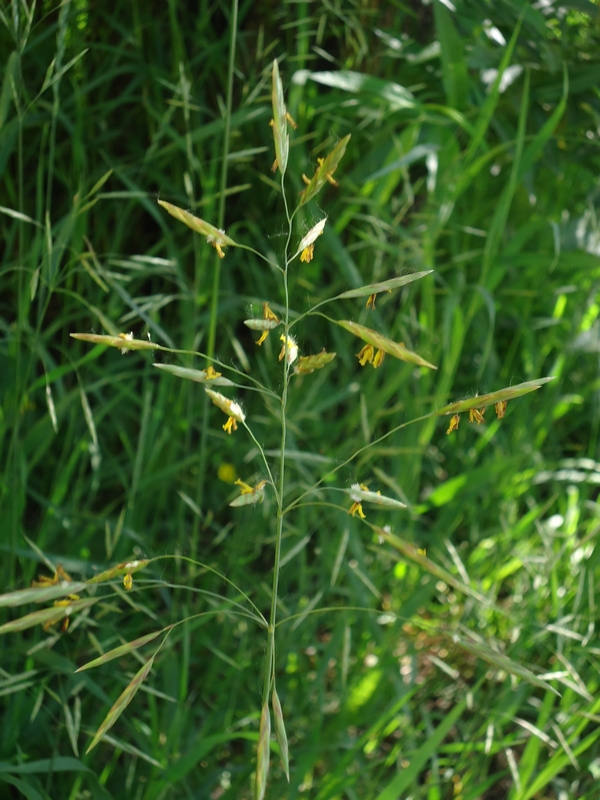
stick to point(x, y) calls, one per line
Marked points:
point(410, 552)
point(404, 779)
point(72, 726)
point(10, 72)
point(122, 649)
point(503, 662)
point(99, 184)
point(10, 212)
point(455, 76)
point(397, 96)
point(45, 766)
point(557, 763)
point(24, 788)
point(122, 702)
point(487, 110)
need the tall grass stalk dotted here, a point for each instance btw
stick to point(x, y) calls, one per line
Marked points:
point(216, 282)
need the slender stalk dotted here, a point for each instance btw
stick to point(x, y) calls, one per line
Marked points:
point(270, 661)
point(15, 442)
point(214, 307)
point(265, 462)
point(212, 330)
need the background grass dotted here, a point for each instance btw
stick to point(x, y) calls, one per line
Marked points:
point(400, 692)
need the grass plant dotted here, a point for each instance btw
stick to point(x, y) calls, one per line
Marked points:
point(451, 655)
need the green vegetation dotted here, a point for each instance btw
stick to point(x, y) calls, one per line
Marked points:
point(442, 650)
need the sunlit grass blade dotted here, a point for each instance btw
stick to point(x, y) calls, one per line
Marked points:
point(403, 780)
point(394, 95)
point(487, 110)
point(122, 649)
point(455, 76)
point(556, 764)
point(377, 340)
point(122, 702)
point(502, 661)
point(410, 552)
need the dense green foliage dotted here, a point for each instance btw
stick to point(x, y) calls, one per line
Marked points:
point(396, 679)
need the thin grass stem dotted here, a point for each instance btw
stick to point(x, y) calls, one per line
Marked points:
point(214, 307)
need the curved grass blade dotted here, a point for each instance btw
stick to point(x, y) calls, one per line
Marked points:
point(348, 80)
point(409, 776)
point(410, 552)
point(395, 349)
point(122, 702)
point(503, 662)
point(122, 649)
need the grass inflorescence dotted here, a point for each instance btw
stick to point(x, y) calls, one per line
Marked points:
point(356, 559)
